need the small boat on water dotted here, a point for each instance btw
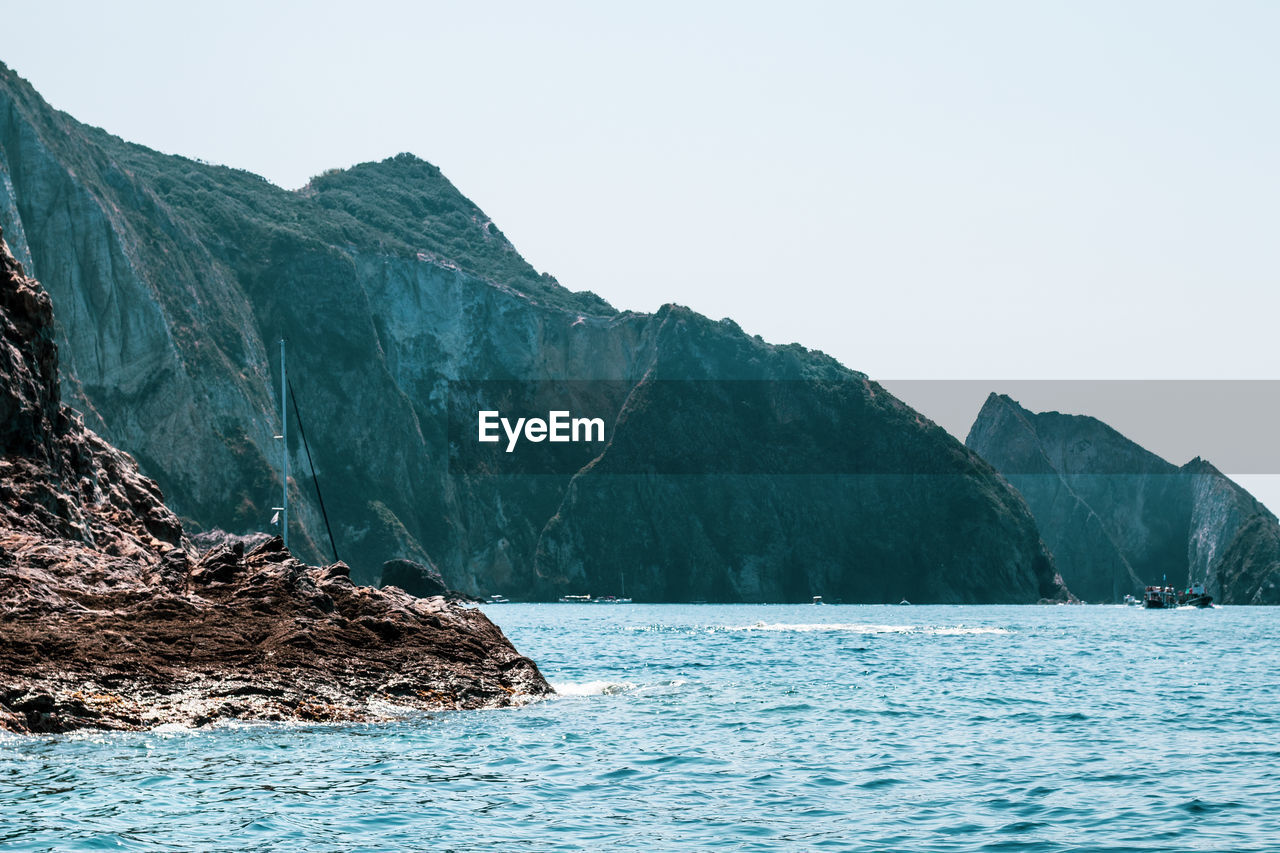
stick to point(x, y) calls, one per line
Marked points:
point(1167, 598)
point(1195, 596)
point(817, 599)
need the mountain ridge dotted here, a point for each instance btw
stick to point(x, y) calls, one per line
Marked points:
point(174, 280)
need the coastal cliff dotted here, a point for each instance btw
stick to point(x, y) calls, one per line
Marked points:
point(108, 619)
point(1118, 517)
point(174, 280)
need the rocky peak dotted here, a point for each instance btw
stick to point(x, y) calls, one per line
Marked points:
point(28, 360)
point(59, 478)
point(1117, 516)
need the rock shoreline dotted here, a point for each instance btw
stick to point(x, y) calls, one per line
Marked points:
point(109, 619)
point(246, 636)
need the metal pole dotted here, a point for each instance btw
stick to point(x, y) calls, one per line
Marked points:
point(284, 450)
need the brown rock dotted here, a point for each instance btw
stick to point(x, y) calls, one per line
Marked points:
point(108, 620)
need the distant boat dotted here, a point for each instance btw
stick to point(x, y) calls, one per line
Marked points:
point(1195, 596)
point(575, 599)
point(817, 599)
point(498, 599)
point(1167, 598)
point(904, 601)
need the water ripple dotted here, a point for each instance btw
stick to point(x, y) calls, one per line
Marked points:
point(735, 728)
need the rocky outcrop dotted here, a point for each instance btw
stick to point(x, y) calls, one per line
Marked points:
point(108, 620)
point(414, 578)
point(207, 540)
point(1118, 517)
point(178, 278)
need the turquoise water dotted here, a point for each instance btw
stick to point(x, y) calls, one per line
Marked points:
point(737, 728)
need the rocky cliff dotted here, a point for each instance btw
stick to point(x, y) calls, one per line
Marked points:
point(174, 279)
point(1117, 517)
point(108, 620)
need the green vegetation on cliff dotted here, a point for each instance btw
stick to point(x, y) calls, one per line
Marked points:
point(402, 205)
point(173, 280)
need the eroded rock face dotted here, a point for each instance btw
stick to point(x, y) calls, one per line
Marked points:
point(414, 578)
point(256, 636)
point(175, 280)
point(1118, 517)
point(108, 620)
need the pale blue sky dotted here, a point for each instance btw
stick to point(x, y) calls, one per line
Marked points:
point(924, 190)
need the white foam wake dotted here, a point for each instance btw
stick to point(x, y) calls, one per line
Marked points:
point(592, 688)
point(866, 628)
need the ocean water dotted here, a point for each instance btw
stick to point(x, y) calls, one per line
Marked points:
point(736, 728)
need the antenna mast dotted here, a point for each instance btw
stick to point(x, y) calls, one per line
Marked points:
point(284, 450)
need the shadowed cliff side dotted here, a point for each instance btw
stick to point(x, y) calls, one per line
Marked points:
point(108, 621)
point(782, 490)
point(1117, 517)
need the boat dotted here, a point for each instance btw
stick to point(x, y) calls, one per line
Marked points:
point(1195, 596)
point(498, 599)
point(1131, 601)
point(1167, 598)
point(817, 599)
point(575, 599)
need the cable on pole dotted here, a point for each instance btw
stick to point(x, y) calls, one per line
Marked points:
point(316, 482)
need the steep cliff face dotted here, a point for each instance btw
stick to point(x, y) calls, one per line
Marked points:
point(107, 620)
point(1118, 517)
point(60, 481)
point(393, 290)
point(868, 502)
point(1234, 540)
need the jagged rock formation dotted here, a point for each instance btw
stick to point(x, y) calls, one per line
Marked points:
point(206, 540)
point(1118, 517)
point(174, 279)
point(108, 621)
point(414, 578)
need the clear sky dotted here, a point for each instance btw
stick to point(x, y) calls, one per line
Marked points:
point(923, 190)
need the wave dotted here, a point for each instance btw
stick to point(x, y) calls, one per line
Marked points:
point(616, 688)
point(592, 688)
point(866, 628)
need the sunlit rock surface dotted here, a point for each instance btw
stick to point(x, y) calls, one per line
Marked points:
point(109, 620)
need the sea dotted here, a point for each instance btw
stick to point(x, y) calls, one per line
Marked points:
point(751, 728)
